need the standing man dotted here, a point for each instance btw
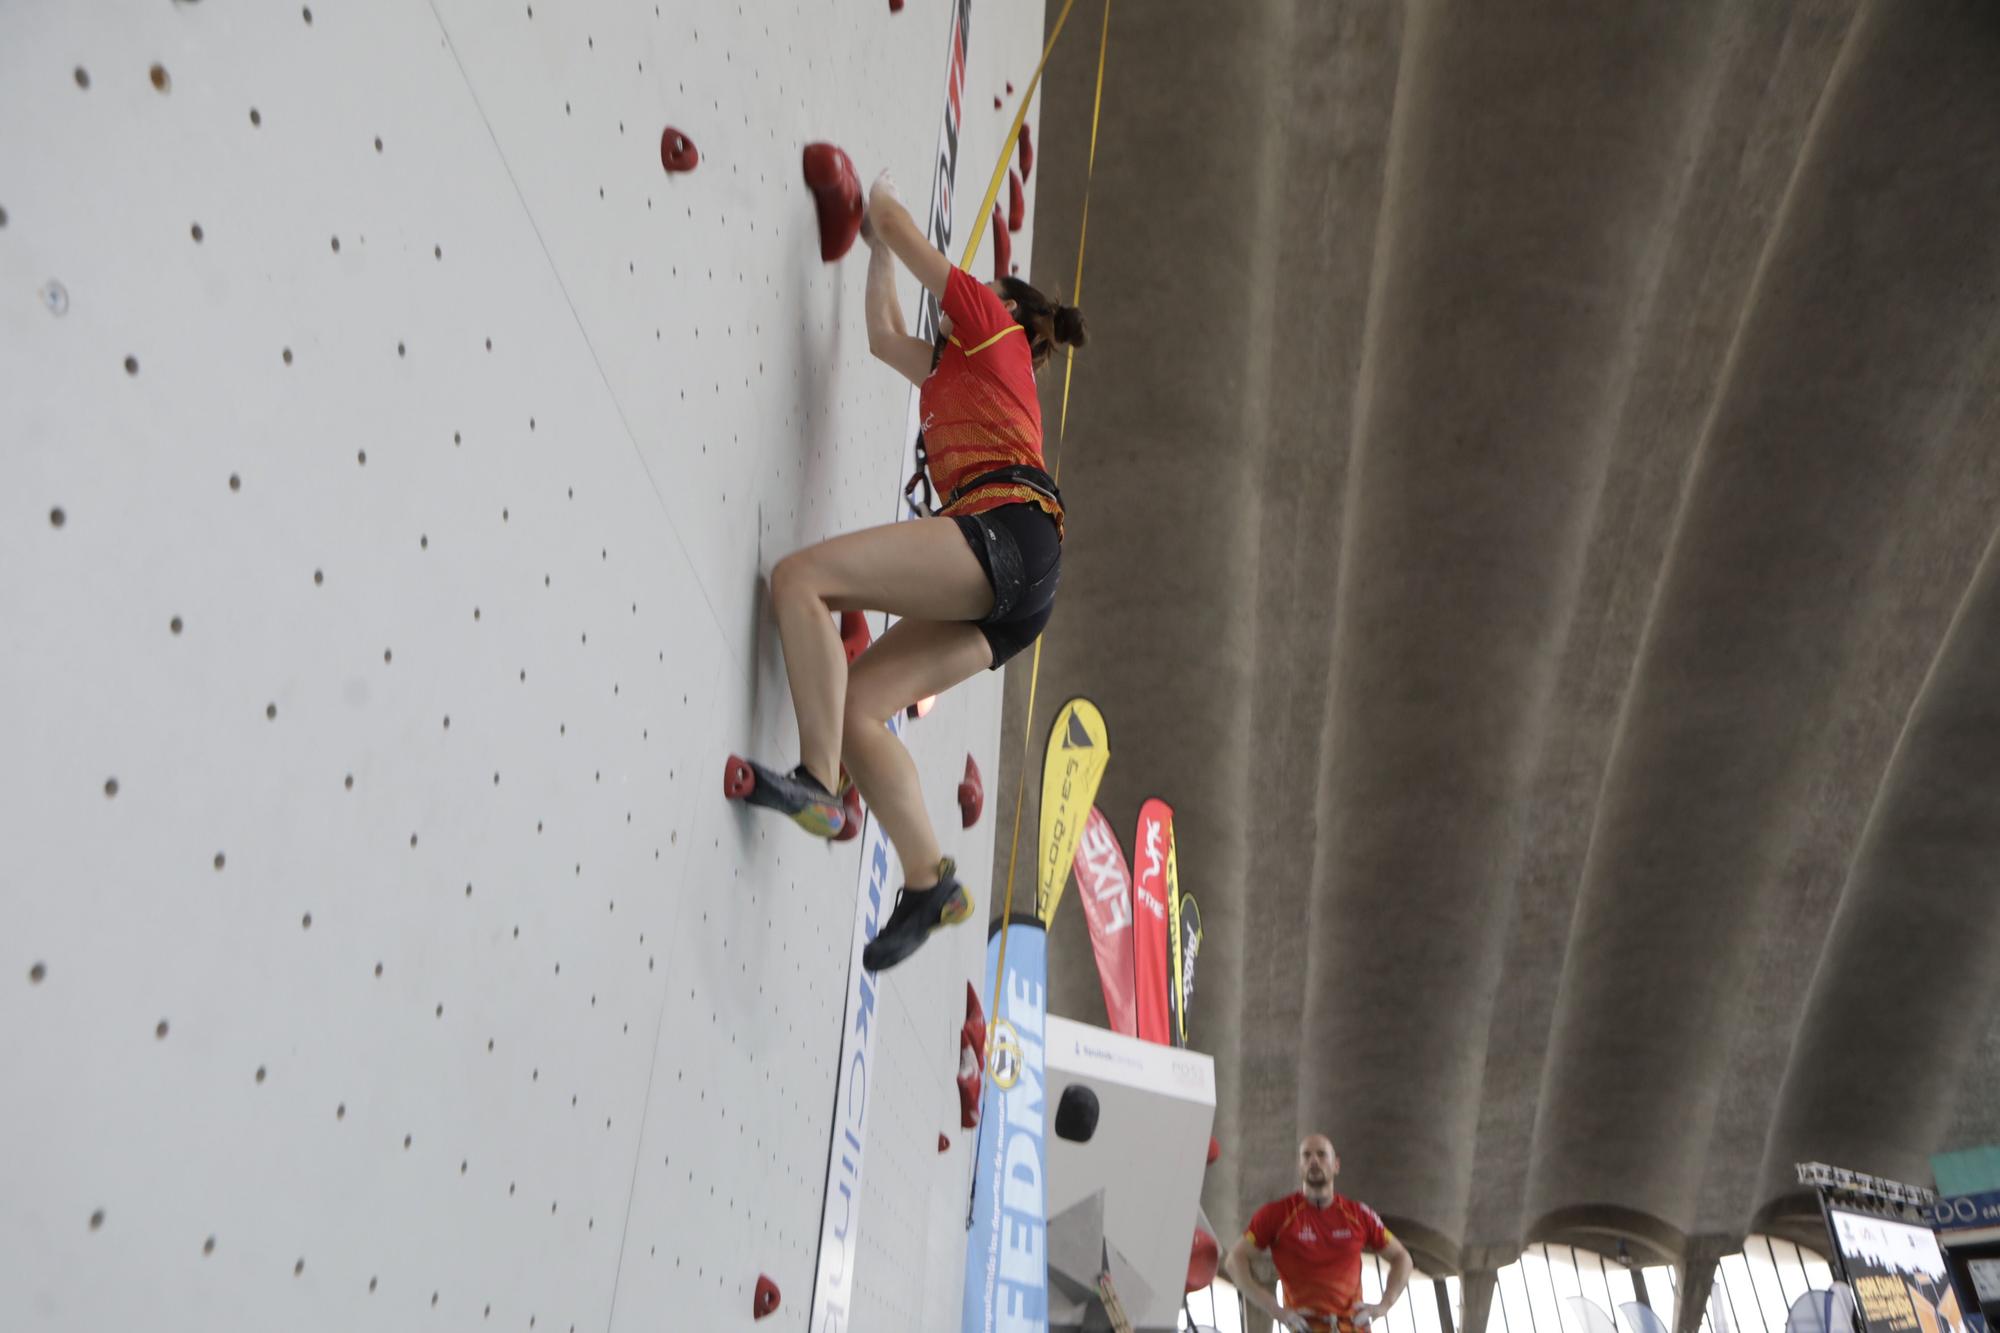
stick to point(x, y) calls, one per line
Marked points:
point(1316, 1238)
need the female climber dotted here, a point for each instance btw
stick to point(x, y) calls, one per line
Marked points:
point(970, 587)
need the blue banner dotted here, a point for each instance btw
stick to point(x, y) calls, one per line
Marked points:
point(1006, 1254)
point(1966, 1212)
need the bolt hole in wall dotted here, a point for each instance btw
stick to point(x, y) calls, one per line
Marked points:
point(214, 251)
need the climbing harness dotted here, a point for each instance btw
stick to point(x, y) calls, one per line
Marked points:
point(1014, 474)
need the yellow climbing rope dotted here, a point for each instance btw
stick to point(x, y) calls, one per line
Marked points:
point(1055, 459)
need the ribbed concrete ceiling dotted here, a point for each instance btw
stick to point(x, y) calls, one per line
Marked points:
point(1533, 491)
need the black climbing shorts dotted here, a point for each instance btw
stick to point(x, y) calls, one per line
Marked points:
point(1018, 548)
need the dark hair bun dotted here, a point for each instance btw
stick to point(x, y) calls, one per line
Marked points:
point(1070, 329)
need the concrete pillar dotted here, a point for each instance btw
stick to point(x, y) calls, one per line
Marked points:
point(1697, 1281)
point(1477, 1286)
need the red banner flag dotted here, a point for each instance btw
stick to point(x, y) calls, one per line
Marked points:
point(1105, 885)
point(1149, 930)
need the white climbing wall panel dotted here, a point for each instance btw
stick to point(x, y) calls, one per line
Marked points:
point(391, 455)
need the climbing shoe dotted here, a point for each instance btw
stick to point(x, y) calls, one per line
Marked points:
point(918, 912)
point(797, 794)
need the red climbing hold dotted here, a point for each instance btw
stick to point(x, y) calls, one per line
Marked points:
point(971, 1060)
point(837, 197)
point(738, 778)
point(766, 1299)
point(944, 1143)
point(971, 795)
point(855, 636)
point(1003, 246)
point(1214, 1150)
point(895, 6)
point(1010, 90)
point(1027, 153)
point(996, 104)
point(1204, 1257)
point(1017, 202)
point(850, 803)
point(970, 1085)
point(677, 151)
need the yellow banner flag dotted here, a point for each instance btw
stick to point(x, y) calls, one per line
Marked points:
point(1073, 764)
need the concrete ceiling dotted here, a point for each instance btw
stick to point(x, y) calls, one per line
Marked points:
point(1533, 491)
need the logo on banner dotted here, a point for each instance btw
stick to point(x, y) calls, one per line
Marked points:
point(1156, 944)
point(1076, 737)
point(1006, 1259)
point(1190, 950)
point(1100, 854)
point(1005, 1061)
point(1959, 1211)
point(839, 1225)
point(1155, 869)
point(1073, 765)
point(1105, 887)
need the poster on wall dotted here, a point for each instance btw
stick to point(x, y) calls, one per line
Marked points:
point(1898, 1274)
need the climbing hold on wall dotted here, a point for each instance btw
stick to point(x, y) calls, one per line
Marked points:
point(971, 1083)
point(1214, 1150)
point(855, 636)
point(895, 6)
point(1010, 89)
point(796, 795)
point(971, 795)
point(766, 1299)
point(944, 1143)
point(850, 801)
point(1204, 1256)
point(971, 1060)
point(975, 1020)
point(738, 778)
point(677, 151)
point(1027, 153)
point(996, 104)
point(1017, 202)
point(836, 196)
point(1003, 246)
point(1076, 1114)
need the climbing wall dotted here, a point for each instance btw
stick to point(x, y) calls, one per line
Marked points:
point(393, 458)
